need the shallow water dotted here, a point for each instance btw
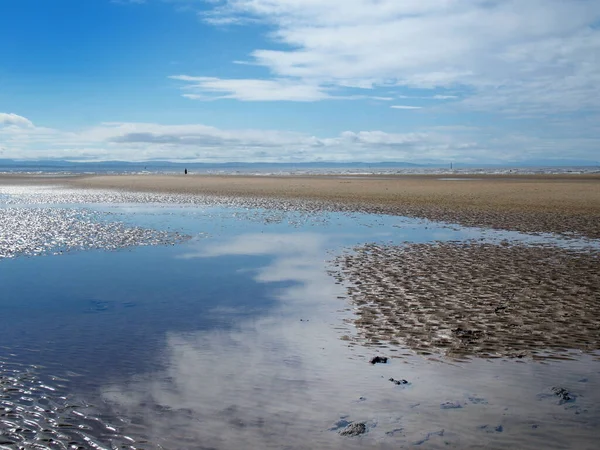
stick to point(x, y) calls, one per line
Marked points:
point(233, 339)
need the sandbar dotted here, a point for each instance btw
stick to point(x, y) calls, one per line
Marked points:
point(475, 299)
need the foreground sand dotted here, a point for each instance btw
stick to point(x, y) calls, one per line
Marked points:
point(547, 203)
point(473, 299)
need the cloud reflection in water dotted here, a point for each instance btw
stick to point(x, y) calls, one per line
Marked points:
point(262, 384)
point(279, 382)
point(298, 258)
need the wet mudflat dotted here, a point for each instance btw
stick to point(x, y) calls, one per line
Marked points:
point(473, 298)
point(224, 325)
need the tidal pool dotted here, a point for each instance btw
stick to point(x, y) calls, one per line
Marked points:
point(220, 326)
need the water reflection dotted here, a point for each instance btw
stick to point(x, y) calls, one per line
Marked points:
point(298, 259)
point(252, 386)
point(234, 341)
point(286, 380)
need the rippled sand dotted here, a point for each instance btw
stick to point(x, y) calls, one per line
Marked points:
point(39, 412)
point(473, 299)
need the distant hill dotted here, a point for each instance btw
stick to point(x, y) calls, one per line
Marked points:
point(161, 165)
point(62, 164)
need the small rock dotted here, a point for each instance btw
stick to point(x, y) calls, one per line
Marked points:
point(398, 382)
point(450, 405)
point(354, 429)
point(563, 394)
point(379, 360)
point(490, 429)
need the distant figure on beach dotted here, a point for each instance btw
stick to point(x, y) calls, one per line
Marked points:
point(185, 171)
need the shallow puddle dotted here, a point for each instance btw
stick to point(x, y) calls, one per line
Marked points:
point(237, 337)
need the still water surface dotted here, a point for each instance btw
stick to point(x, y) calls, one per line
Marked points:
point(231, 340)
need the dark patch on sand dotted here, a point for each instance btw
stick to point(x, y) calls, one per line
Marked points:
point(400, 382)
point(379, 360)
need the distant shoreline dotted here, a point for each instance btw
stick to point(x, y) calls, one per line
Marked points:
point(564, 203)
point(57, 168)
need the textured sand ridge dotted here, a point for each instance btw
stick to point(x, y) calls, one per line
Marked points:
point(467, 299)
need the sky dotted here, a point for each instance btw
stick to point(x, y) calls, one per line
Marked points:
point(421, 81)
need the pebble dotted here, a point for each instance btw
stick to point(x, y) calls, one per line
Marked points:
point(354, 429)
point(379, 360)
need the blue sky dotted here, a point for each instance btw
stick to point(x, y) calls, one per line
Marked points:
point(474, 81)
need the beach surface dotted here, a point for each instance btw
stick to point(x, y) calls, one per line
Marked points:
point(568, 204)
point(484, 337)
point(476, 299)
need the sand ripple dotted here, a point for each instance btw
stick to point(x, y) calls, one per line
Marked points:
point(38, 413)
point(466, 299)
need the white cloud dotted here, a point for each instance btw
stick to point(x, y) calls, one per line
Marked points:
point(14, 119)
point(277, 89)
point(535, 56)
point(210, 88)
point(196, 135)
point(405, 107)
point(282, 245)
point(198, 142)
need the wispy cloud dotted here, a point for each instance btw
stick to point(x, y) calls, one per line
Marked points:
point(211, 88)
point(14, 119)
point(405, 107)
point(276, 89)
point(536, 52)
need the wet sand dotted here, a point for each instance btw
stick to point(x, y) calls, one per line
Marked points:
point(568, 204)
point(301, 384)
point(474, 299)
point(546, 203)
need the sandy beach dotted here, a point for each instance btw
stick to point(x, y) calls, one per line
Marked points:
point(567, 204)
